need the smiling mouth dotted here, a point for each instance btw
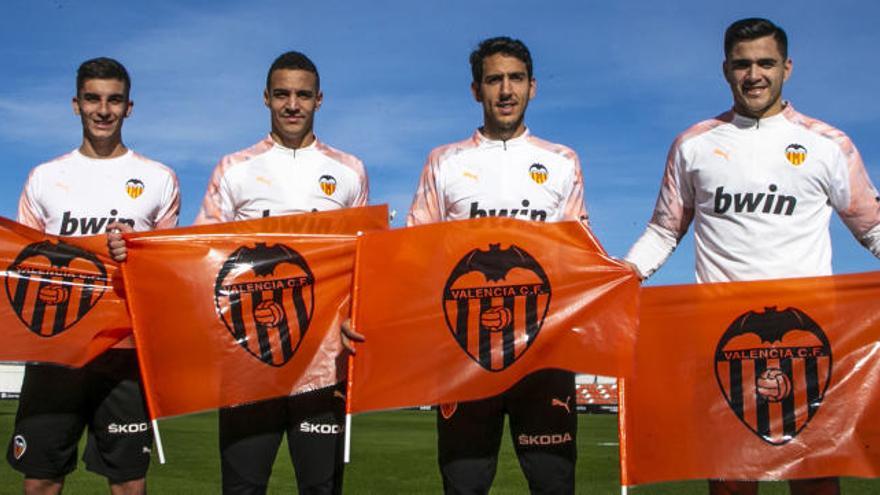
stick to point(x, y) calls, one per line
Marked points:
point(755, 90)
point(506, 107)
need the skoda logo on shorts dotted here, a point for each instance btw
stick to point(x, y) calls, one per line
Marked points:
point(495, 302)
point(52, 286)
point(265, 297)
point(773, 368)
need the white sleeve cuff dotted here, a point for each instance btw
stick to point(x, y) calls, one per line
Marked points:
point(652, 249)
point(871, 240)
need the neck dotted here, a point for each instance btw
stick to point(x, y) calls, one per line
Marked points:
point(504, 134)
point(774, 109)
point(111, 148)
point(293, 143)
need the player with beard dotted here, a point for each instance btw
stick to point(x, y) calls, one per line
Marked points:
point(77, 194)
point(503, 168)
point(762, 148)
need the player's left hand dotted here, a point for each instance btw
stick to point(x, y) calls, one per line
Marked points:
point(634, 268)
point(115, 243)
point(349, 336)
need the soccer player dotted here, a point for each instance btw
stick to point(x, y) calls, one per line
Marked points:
point(289, 171)
point(81, 193)
point(759, 182)
point(502, 168)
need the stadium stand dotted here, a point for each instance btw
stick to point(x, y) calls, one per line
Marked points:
point(596, 394)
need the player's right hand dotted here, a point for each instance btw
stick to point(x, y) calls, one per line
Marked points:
point(349, 336)
point(115, 243)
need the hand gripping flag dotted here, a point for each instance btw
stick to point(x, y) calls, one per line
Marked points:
point(458, 311)
point(59, 303)
point(755, 380)
point(239, 312)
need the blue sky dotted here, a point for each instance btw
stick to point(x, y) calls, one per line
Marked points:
point(616, 82)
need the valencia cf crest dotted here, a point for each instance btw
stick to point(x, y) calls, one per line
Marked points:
point(19, 447)
point(328, 184)
point(495, 302)
point(134, 188)
point(796, 154)
point(265, 296)
point(52, 286)
point(773, 368)
point(538, 173)
point(447, 409)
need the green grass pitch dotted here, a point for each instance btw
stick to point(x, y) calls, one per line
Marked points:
point(392, 453)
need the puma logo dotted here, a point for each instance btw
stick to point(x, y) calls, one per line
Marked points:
point(556, 402)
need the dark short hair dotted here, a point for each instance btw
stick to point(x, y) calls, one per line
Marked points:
point(752, 29)
point(102, 68)
point(503, 45)
point(293, 60)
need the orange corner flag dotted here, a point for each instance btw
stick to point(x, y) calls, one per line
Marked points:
point(462, 310)
point(239, 312)
point(60, 305)
point(756, 381)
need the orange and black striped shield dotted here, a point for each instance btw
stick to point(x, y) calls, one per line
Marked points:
point(495, 302)
point(53, 285)
point(265, 297)
point(774, 368)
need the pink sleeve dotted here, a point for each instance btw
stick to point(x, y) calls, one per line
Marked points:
point(426, 206)
point(363, 196)
point(862, 212)
point(168, 216)
point(674, 209)
point(28, 210)
point(214, 209)
point(574, 208)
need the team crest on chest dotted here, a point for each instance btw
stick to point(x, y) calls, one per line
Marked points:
point(134, 188)
point(538, 173)
point(796, 154)
point(328, 184)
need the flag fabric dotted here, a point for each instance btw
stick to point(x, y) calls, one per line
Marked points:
point(60, 305)
point(239, 312)
point(761, 380)
point(462, 310)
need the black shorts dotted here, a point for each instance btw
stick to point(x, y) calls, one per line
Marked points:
point(543, 424)
point(58, 403)
point(314, 423)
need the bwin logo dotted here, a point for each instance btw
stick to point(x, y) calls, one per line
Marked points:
point(71, 225)
point(777, 204)
point(525, 212)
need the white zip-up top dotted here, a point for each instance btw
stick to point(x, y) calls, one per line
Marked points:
point(269, 179)
point(760, 194)
point(524, 177)
point(74, 195)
